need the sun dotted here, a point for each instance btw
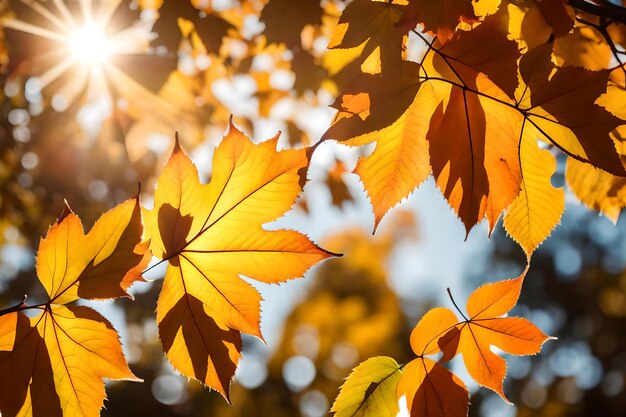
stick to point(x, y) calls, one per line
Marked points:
point(89, 45)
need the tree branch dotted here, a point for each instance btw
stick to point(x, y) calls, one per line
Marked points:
point(603, 9)
point(15, 308)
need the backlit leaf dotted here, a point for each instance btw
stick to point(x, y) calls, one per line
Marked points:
point(485, 328)
point(58, 362)
point(538, 208)
point(211, 235)
point(101, 264)
point(370, 390)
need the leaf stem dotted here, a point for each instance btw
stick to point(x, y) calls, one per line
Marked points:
point(155, 265)
point(456, 306)
point(18, 307)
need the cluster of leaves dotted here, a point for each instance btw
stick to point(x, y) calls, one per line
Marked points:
point(375, 387)
point(492, 91)
point(53, 363)
point(495, 78)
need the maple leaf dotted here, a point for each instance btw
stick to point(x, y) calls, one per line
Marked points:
point(57, 360)
point(561, 104)
point(538, 208)
point(485, 327)
point(211, 235)
point(102, 264)
point(373, 25)
point(474, 131)
point(370, 390)
point(430, 388)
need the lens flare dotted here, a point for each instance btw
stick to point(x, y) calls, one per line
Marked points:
point(89, 45)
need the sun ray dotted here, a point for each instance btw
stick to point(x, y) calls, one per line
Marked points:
point(85, 8)
point(62, 8)
point(39, 8)
point(106, 10)
point(33, 30)
point(80, 79)
point(55, 72)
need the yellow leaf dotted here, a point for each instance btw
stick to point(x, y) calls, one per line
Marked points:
point(596, 188)
point(370, 390)
point(58, 364)
point(538, 208)
point(395, 116)
point(399, 163)
point(211, 235)
point(102, 264)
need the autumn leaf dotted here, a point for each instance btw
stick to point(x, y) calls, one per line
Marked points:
point(374, 25)
point(102, 264)
point(211, 28)
point(55, 362)
point(8, 324)
point(396, 117)
point(285, 19)
point(596, 188)
point(537, 209)
point(430, 388)
point(211, 235)
point(561, 104)
point(339, 191)
point(485, 327)
point(370, 390)
point(474, 131)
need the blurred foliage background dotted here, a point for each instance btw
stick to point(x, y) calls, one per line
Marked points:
point(85, 118)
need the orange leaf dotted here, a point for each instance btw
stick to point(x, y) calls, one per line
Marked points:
point(432, 390)
point(102, 264)
point(8, 323)
point(55, 362)
point(211, 235)
point(485, 328)
point(474, 132)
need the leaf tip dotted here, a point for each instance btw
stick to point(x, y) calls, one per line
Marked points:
point(66, 211)
point(231, 126)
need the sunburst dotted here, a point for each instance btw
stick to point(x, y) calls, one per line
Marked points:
point(82, 50)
